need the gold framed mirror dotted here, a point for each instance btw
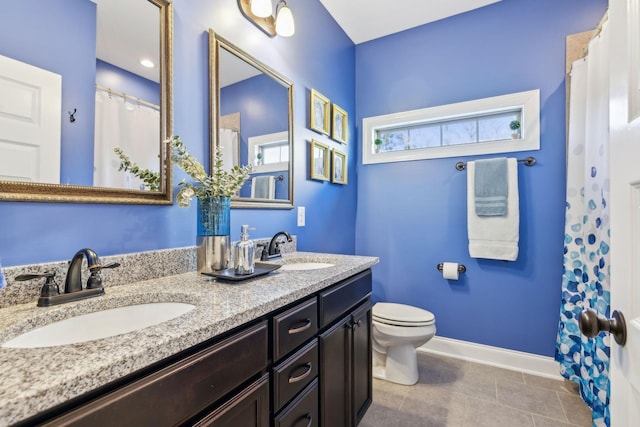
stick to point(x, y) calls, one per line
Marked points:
point(73, 159)
point(251, 107)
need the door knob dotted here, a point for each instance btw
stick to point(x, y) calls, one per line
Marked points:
point(591, 324)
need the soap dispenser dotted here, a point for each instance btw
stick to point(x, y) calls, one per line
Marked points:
point(244, 253)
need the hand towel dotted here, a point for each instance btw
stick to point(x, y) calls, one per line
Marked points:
point(263, 187)
point(490, 187)
point(494, 237)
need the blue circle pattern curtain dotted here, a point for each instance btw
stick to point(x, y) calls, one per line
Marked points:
point(585, 281)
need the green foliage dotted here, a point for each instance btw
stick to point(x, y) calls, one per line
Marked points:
point(224, 183)
point(514, 125)
point(150, 178)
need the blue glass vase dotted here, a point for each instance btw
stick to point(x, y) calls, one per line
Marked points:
point(214, 216)
point(213, 241)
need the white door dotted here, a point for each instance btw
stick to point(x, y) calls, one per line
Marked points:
point(30, 105)
point(625, 206)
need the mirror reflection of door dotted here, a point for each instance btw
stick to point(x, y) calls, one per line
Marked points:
point(29, 123)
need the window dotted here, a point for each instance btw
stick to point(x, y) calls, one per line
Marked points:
point(481, 126)
point(269, 153)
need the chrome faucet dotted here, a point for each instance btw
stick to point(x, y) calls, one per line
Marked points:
point(50, 293)
point(273, 250)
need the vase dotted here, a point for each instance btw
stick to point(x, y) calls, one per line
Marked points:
point(214, 234)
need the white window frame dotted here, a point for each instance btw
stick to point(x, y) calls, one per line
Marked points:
point(528, 102)
point(268, 139)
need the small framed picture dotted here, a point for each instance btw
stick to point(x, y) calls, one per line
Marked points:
point(319, 161)
point(320, 115)
point(339, 124)
point(339, 167)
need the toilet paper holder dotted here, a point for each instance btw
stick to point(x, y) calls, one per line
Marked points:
point(461, 268)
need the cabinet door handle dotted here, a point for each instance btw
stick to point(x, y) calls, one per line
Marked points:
point(302, 376)
point(308, 418)
point(307, 325)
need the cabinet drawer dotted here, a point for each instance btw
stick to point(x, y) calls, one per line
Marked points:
point(336, 301)
point(177, 392)
point(302, 412)
point(294, 374)
point(293, 327)
point(250, 407)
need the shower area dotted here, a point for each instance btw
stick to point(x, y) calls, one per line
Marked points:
point(130, 123)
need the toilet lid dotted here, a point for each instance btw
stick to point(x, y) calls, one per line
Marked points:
point(401, 314)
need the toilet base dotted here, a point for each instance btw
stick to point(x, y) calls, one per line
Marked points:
point(399, 365)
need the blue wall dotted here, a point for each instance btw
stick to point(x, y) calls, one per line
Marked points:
point(413, 214)
point(42, 232)
point(263, 104)
point(120, 80)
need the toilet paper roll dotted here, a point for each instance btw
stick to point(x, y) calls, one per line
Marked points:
point(450, 270)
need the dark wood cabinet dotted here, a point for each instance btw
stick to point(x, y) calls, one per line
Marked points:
point(292, 375)
point(362, 375)
point(248, 408)
point(303, 410)
point(307, 364)
point(345, 366)
point(179, 391)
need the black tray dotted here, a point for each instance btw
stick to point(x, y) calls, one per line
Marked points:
point(230, 275)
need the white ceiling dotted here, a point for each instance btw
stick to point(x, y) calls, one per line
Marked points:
point(121, 21)
point(128, 31)
point(365, 20)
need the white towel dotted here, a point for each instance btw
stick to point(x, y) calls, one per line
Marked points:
point(263, 187)
point(494, 237)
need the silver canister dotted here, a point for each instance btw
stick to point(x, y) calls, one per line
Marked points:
point(213, 253)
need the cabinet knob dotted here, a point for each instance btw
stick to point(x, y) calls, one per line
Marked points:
point(591, 324)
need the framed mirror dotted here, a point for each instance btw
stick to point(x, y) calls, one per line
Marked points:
point(73, 88)
point(252, 122)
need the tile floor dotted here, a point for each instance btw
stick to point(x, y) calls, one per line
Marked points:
point(456, 393)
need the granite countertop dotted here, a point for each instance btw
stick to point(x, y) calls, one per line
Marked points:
point(34, 380)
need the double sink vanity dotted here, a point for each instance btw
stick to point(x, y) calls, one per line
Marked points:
point(292, 348)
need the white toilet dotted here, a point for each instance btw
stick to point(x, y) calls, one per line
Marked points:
point(398, 330)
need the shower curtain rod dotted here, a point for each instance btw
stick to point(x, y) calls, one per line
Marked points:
point(529, 161)
point(128, 97)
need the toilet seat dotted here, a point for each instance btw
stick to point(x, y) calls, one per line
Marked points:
point(401, 315)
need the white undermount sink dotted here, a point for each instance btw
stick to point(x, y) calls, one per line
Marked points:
point(306, 266)
point(100, 324)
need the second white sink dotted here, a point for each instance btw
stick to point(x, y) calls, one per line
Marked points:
point(100, 324)
point(306, 266)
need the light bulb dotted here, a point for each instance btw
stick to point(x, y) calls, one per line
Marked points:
point(285, 26)
point(261, 8)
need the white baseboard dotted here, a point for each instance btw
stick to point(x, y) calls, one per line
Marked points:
point(494, 356)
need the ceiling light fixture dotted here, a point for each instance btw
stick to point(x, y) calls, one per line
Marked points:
point(147, 63)
point(285, 26)
point(261, 8)
point(281, 24)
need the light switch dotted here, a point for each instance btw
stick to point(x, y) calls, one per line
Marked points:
point(301, 218)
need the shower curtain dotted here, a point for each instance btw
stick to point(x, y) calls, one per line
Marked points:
point(585, 281)
point(132, 127)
